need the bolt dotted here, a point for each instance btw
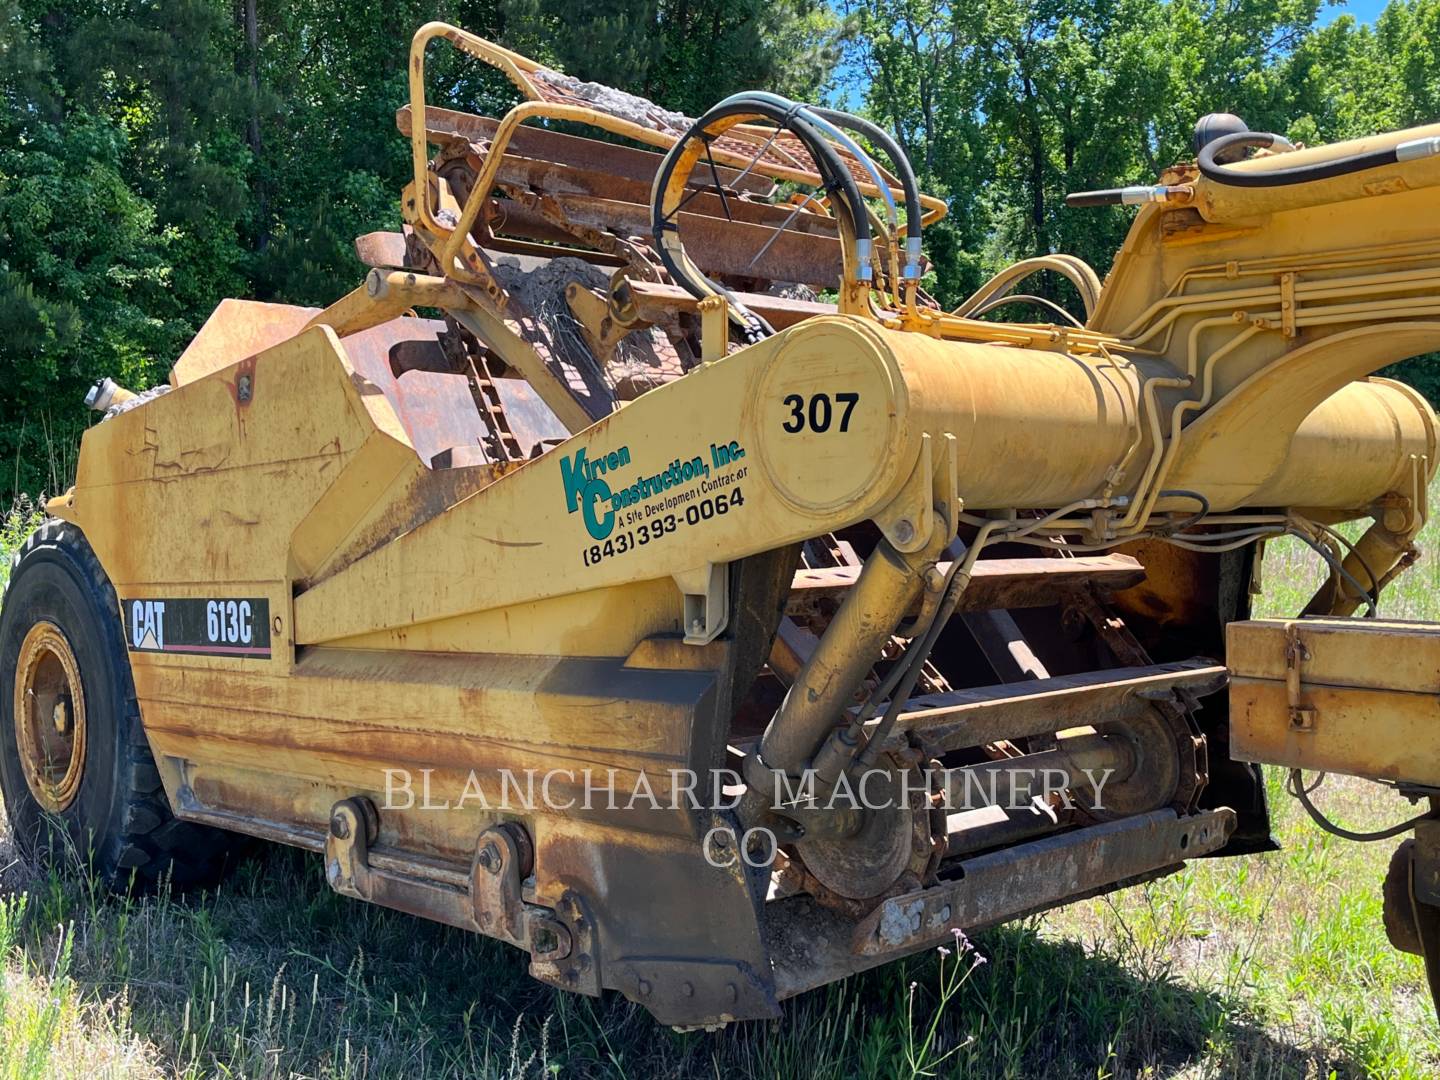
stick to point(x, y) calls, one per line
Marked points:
point(340, 827)
point(904, 531)
point(697, 627)
point(242, 388)
point(489, 858)
point(644, 987)
point(688, 989)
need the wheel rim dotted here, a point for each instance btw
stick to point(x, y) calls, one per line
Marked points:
point(50, 717)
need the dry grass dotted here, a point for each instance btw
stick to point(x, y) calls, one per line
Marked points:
point(1270, 966)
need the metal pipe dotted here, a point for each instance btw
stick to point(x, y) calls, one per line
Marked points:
point(889, 583)
point(970, 831)
point(1014, 783)
point(1373, 556)
point(105, 393)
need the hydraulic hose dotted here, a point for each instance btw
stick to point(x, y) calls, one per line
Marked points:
point(901, 163)
point(818, 119)
point(1302, 174)
point(1074, 270)
point(833, 174)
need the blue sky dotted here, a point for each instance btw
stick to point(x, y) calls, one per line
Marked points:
point(1365, 11)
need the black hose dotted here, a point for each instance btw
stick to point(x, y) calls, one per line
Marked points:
point(898, 160)
point(1299, 174)
point(1337, 567)
point(1374, 591)
point(835, 176)
point(1107, 197)
point(1025, 298)
point(1185, 493)
point(1300, 791)
point(912, 664)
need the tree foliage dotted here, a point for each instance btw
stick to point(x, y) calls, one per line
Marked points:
point(159, 155)
point(1007, 105)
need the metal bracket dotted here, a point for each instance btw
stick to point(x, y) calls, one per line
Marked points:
point(1288, 305)
point(714, 328)
point(563, 946)
point(354, 826)
point(601, 330)
point(909, 518)
point(501, 863)
point(1302, 717)
point(487, 900)
point(707, 601)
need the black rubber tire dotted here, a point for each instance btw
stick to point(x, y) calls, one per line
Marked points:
point(1397, 912)
point(119, 826)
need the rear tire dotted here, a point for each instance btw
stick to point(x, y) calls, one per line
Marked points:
point(76, 771)
point(1398, 911)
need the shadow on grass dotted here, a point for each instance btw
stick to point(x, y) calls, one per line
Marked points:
point(276, 975)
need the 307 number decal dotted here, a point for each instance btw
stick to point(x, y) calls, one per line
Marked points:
point(819, 413)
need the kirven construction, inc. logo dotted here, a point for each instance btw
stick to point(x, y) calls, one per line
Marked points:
point(588, 483)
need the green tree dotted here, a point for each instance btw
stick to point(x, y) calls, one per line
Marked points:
point(87, 262)
point(683, 54)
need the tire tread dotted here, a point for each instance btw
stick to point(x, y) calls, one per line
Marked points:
point(153, 846)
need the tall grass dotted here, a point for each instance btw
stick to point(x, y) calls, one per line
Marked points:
point(23, 517)
point(1269, 966)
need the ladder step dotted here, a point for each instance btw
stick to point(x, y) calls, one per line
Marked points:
point(997, 583)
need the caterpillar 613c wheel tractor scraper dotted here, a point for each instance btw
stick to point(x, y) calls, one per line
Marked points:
point(685, 598)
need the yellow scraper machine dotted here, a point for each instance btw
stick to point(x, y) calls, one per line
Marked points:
point(688, 599)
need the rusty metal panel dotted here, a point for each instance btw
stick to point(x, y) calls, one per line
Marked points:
point(568, 181)
point(812, 946)
point(1040, 874)
point(535, 427)
point(403, 358)
point(997, 583)
point(1371, 653)
point(381, 249)
point(739, 248)
point(988, 714)
point(1354, 696)
point(625, 162)
point(634, 216)
point(656, 302)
